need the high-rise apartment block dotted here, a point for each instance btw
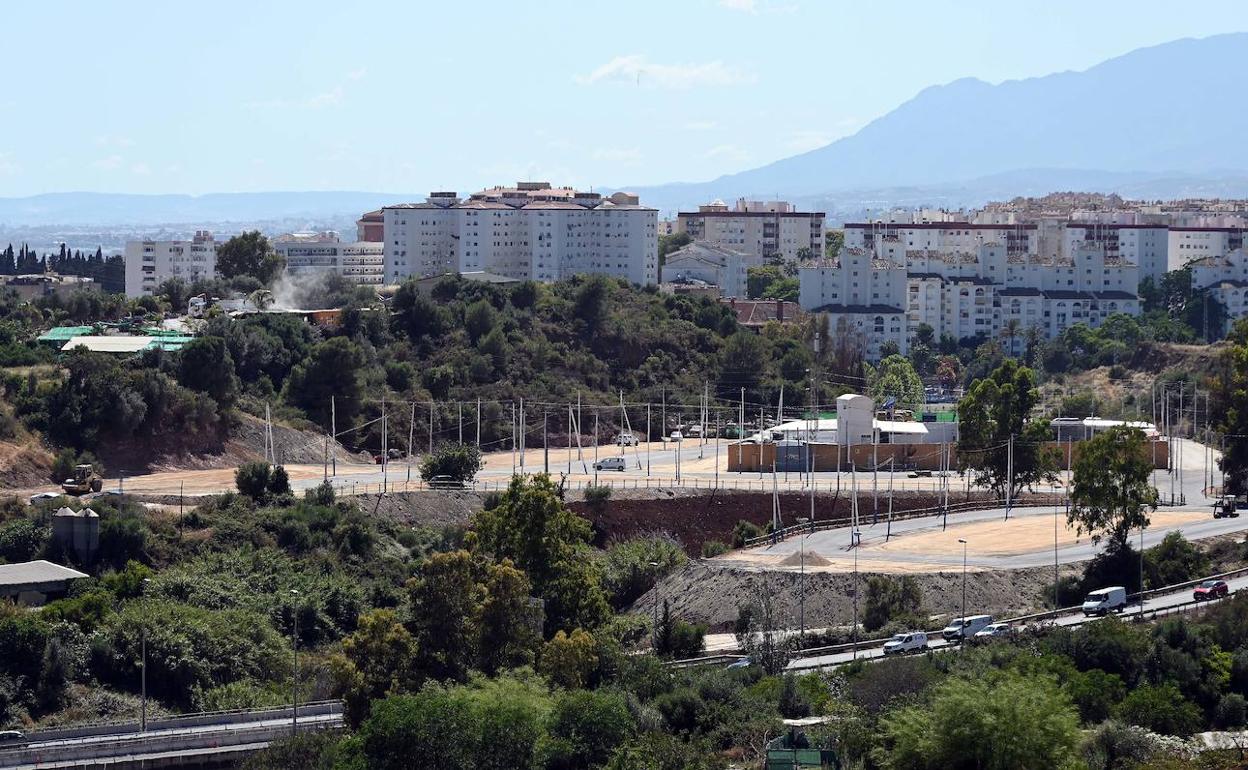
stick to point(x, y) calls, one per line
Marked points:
point(361, 262)
point(530, 231)
point(761, 228)
point(151, 263)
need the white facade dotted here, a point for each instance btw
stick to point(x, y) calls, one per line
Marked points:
point(1226, 280)
point(361, 262)
point(1188, 244)
point(531, 231)
point(1147, 246)
point(711, 264)
point(862, 295)
point(151, 263)
point(761, 228)
point(970, 294)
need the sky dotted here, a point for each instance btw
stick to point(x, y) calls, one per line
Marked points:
point(173, 97)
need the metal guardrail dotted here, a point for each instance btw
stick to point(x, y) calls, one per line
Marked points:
point(913, 513)
point(832, 649)
point(192, 719)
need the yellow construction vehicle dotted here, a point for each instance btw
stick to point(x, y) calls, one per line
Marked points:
point(85, 480)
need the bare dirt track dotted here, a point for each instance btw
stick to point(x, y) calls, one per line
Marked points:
point(23, 465)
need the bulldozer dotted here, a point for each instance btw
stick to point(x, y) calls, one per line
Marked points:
point(85, 480)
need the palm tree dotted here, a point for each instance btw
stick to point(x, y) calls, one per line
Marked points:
point(1010, 332)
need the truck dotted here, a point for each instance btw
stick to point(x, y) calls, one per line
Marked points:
point(84, 480)
point(1105, 600)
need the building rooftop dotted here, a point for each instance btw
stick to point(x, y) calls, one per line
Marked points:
point(31, 572)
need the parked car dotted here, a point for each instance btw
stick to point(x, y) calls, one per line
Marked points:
point(1105, 600)
point(911, 641)
point(745, 662)
point(44, 496)
point(610, 464)
point(1226, 506)
point(695, 431)
point(445, 482)
point(917, 474)
point(1211, 589)
point(627, 438)
point(676, 435)
point(961, 628)
point(994, 630)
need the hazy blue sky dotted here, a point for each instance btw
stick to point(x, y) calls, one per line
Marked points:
point(244, 96)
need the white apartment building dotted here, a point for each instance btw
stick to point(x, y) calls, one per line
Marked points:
point(1225, 277)
point(530, 231)
point(1188, 244)
point(862, 294)
point(361, 262)
point(1145, 245)
point(151, 263)
point(762, 228)
point(971, 294)
point(943, 236)
point(711, 264)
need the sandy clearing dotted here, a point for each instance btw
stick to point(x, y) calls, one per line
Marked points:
point(1024, 534)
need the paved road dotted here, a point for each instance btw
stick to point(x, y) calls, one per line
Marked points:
point(182, 737)
point(1196, 522)
point(1161, 602)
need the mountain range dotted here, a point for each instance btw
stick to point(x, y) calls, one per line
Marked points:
point(1159, 122)
point(1172, 117)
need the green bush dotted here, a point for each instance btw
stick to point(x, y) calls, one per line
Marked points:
point(713, 548)
point(632, 567)
point(252, 479)
point(21, 540)
point(891, 600)
point(459, 461)
point(1160, 708)
point(743, 531)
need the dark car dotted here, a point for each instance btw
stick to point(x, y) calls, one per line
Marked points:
point(1210, 589)
point(12, 737)
point(445, 482)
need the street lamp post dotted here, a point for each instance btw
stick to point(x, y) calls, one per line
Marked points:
point(802, 582)
point(654, 636)
point(963, 630)
point(143, 665)
point(294, 674)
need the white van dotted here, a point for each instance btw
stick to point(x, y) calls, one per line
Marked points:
point(911, 641)
point(610, 464)
point(962, 628)
point(1104, 600)
point(627, 438)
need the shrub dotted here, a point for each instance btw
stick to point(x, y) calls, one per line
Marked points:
point(745, 530)
point(459, 461)
point(889, 599)
point(792, 704)
point(632, 567)
point(21, 540)
point(279, 482)
point(1231, 711)
point(713, 548)
point(1160, 708)
point(597, 496)
point(252, 479)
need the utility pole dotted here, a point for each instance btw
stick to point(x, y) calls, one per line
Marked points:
point(385, 448)
point(648, 438)
point(411, 436)
point(545, 444)
point(459, 405)
point(432, 412)
point(513, 438)
point(333, 428)
point(478, 422)
point(1009, 477)
point(294, 676)
point(595, 446)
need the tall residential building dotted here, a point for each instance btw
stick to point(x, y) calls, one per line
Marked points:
point(1188, 244)
point(762, 228)
point(862, 294)
point(530, 231)
point(1144, 245)
point(1225, 278)
point(986, 293)
point(151, 263)
point(361, 262)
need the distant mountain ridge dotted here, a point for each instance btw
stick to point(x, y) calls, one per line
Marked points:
point(1173, 110)
point(88, 208)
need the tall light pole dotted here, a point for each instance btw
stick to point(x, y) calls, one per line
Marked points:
point(143, 665)
point(294, 674)
point(802, 582)
point(654, 637)
point(963, 630)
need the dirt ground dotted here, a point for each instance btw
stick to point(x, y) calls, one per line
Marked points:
point(22, 466)
point(424, 509)
point(710, 593)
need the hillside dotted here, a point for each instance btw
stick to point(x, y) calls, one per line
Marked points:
point(1071, 124)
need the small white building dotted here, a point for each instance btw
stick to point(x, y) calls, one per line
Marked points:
point(151, 263)
point(361, 262)
point(760, 228)
point(713, 264)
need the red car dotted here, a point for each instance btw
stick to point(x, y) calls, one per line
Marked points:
point(1210, 589)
